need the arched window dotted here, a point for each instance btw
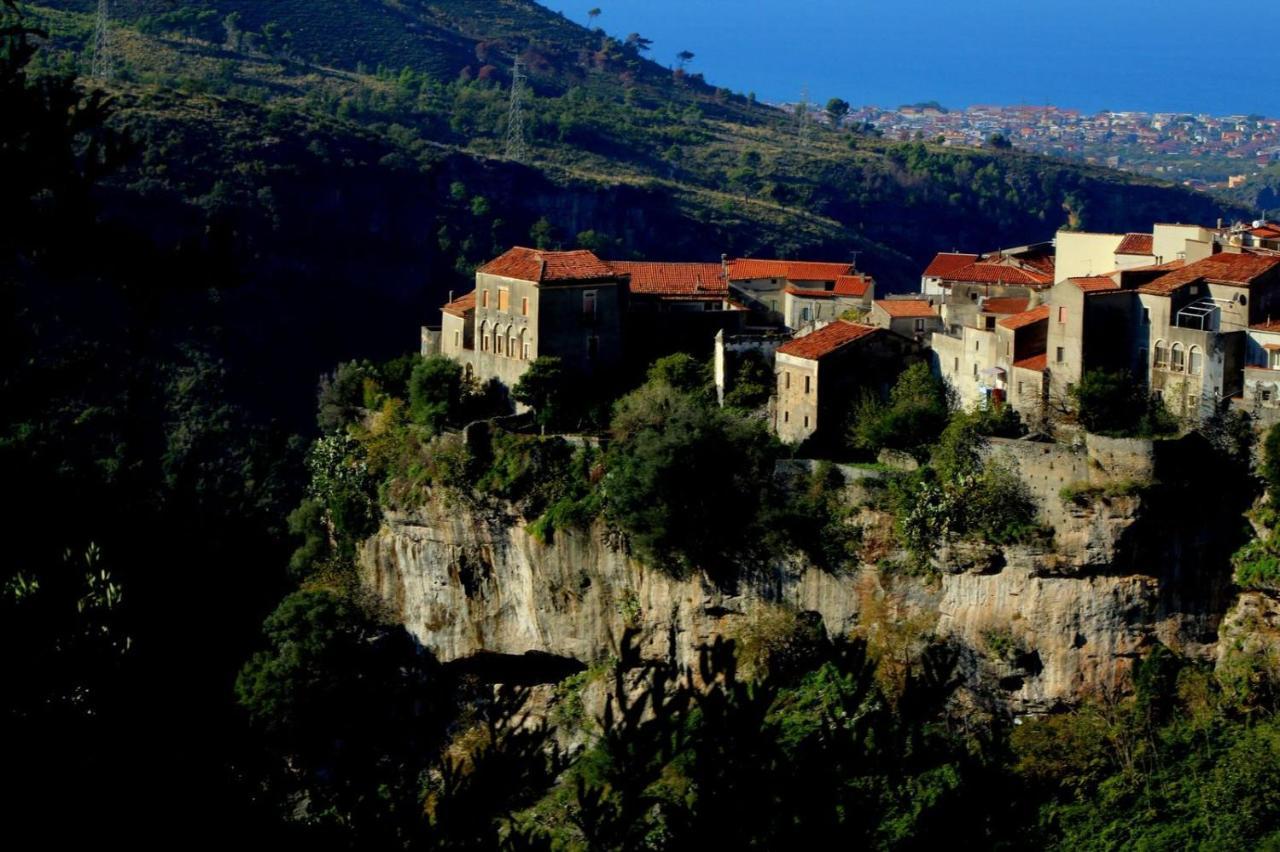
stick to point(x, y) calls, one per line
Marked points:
point(1176, 358)
point(1194, 358)
point(493, 343)
point(524, 347)
point(484, 336)
point(1162, 354)
point(512, 350)
point(499, 340)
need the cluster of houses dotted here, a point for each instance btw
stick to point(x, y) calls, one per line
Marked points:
point(1192, 312)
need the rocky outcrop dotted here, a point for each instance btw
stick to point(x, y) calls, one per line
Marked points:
point(1041, 626)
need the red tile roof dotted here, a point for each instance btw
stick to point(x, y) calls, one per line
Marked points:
point(1035, 362)
point(853, 285)
point(459, 307)
point(1006, 305)
point(1135, 244)
point(824, 341)
point(811, 293)
point(899, 308)
point(1026, 318)
point(699, 280)
point(537, 265)
point(743, 269)
point(946, 262)
point(1159, 267)
point(1094, 284)
point(996, 273)
point(1226, 268)
point(1272, 326)
point(1267, 231)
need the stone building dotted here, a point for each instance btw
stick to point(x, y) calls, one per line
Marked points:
point(912, 318)
point(676, 307)
point(528, 303)
point(1093, 324)
point(765, 286)
point(1197, 320)
point(820, 374)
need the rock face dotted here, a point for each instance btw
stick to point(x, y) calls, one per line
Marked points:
point(1041, 627)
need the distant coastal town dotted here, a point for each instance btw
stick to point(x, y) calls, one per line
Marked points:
point(1201, 151)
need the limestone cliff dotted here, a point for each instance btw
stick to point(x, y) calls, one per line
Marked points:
point(1037, 627)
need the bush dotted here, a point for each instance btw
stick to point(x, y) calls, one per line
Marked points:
point(752, 383)
point(912, 418)
point(685, 479)
point(1112, 403)
point(435, 392)
point(548, 389)
point(342, 395)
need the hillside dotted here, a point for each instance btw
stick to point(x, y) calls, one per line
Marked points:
point(432, 78)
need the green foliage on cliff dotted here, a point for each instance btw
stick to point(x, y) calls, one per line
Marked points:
point(1112, 403)
point(910, 420)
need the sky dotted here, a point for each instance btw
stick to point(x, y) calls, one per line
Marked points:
point(1151, 55)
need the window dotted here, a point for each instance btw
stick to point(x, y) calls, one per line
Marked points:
point(498, 341)
point(484, 337)
point(806, 383)
point(1146, 316)
point(804, 314)
point(974, 296)
point(1176, 358)
point(991, 323)
point(1020, 388)
point(786, 417)
point(919, 325)
point(512, 351)
point(504, 298)
point(1194, 289)
point(1273, 359)
point(1266, 395)
point(524, 306)
point(1060, 355)
point(956, 368)
point(524, 347)
point(484, 298)
point(787, 373)
point(1194, 359)
point(457, 339)
point(589, 304)
point(975, 371)
point(1062, 313)
point(1162, 354)
point(977, 346)
point(806, 421)
point(1244, 300)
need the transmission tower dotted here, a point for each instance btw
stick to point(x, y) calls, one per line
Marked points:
point(803, 129)
point(103, 65)
point(517, 145)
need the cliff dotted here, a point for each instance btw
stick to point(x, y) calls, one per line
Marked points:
point(1035, 627)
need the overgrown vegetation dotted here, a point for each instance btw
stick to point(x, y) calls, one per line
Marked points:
point(1112, 403)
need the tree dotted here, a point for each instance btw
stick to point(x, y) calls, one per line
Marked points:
point(435, 391)
point(639, 43)
point(542, 233)
point(999, 141)
point(545, 387)
point(683, 58)
point(912, 418)
point(1110, 402)
point(592, 14)
point(686, 480)
point(837, 109)
point(340, 396)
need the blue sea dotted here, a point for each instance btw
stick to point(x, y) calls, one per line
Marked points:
point(1149, 55)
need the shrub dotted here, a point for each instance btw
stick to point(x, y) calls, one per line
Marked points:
point(752, 383)
point(1111, 403)
point(435, 391)
point(912, 418)
point(341, 395)
point(548, 389)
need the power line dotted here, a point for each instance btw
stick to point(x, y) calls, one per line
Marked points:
point(517, 144)
point(103, 64)
point(803, 129)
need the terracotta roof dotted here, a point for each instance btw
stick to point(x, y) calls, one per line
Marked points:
point(459, 307)
point(1026, 318)
point(1094, 284)
point(674, 279)
point(1035, 362)
point(1006, 305)
point(1266, 231)
point(811, 292)
point(824, 341)
point(1272, 326)
point(852, 285)
point(536, 265)
point(1159, 267)
point(1043, 263)
point(792, 270)
point(1226, 268)
point(899, 308)
point(1135, 244)
point(997, 273)
point(946, 262)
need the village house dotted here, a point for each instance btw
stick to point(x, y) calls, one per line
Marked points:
point(676, 306)
point(1094, 324)
point(779, 291)
point(959, 278)
point(820, 374)
point(529, 303)
point(1260, 395)
point(1198, 318)
point(912, 318)
point(976, 356)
